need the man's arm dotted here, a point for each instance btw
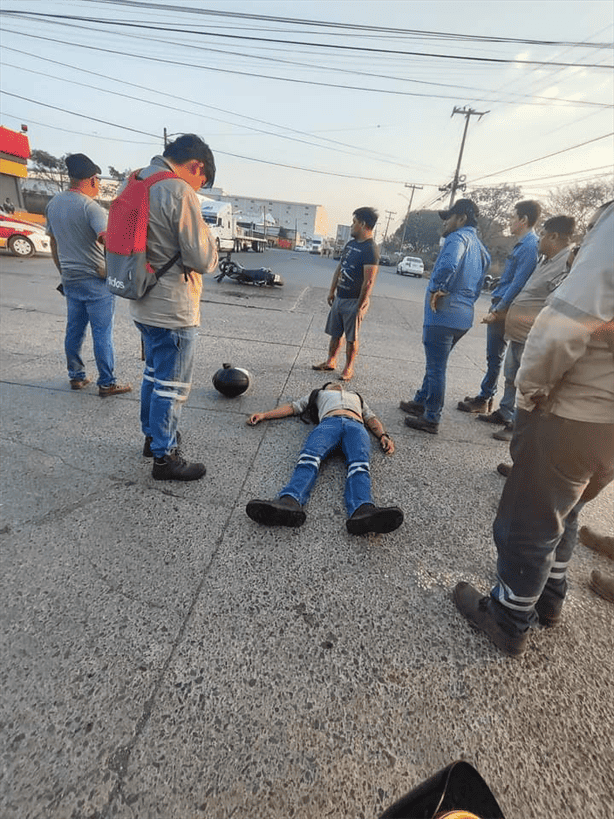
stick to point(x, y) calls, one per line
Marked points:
point(283, 411)
point(333, 285)
point(369, 274)
point(377, 428)
point(445, 267)
point(526, 262)
point(54, 253)
point(198, 250)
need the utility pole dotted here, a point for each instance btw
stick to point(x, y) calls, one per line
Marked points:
point(457, 182)
point(414, 188)
point(389, 214)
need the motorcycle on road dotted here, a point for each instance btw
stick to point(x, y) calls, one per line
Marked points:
point(261, 277)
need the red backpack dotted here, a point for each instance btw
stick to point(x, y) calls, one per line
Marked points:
point(129, 274)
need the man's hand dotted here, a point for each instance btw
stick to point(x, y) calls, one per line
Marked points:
point(493, 316)
point(254, 419)
point(363, 308)
point(438, 294)
point(330, 299)
point(387, 444)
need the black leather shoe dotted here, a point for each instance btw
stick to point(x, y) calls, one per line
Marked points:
point(370, 518)
point(504, 469)
point(477, 609)
point(492, 418)
point(285, 511)
point(147, 453)
point(477, 404)
point(412, 407)
point(422, 425)
point(172, 467)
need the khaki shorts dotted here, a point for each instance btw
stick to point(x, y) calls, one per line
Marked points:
point(343, 319)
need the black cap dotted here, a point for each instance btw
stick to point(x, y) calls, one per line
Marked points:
point(464, 207)
point(81, 166)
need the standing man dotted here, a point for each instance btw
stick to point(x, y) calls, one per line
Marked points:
point(455, 284)
point(350, 291)
point(519, 266)
point(562, 448)
point(554, 247)
point(76, 225)
point(168, 317)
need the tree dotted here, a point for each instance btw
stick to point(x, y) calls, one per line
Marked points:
point(50, 168)
point(496, 205)
point(118, 176)
point(579, 201)
point(422, 232)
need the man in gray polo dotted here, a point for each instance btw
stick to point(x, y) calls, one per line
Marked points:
point(76, 225)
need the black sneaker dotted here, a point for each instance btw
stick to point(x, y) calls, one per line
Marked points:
point(370, 518)
point(172, 467)
point(412, 407)
point(478, 610)
point(147, 453)
point(285, 511)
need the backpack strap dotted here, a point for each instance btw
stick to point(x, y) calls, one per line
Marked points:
point(151, 180)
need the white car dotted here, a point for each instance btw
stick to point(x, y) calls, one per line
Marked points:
point(23, 238)
point(301, 248)
point(411, 266)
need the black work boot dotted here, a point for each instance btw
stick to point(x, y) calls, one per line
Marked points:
point(422, 425)
point(172, 467)
point(371, 518)
point(285, 511)
point(412, 407)
point(478, 609)
point(549, 607)
point(147, 453)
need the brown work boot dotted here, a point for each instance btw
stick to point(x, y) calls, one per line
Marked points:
point(599, 543)
point(602, 585)
point(412, 407)
point(114, 389)
point(79, 383)
point(477, 404)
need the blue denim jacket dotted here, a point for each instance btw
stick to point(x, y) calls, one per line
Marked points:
point(519, 265)
point(459, 271)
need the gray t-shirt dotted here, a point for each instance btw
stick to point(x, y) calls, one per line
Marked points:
point(75, 221)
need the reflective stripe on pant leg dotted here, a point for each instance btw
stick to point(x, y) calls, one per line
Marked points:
point(175, 390)
point(317, 446)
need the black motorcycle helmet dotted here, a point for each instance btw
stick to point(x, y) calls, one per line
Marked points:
point(231, 381)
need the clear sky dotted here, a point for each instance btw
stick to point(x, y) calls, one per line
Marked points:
point(331, 103)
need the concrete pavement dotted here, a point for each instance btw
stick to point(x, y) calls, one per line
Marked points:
point(164, 656)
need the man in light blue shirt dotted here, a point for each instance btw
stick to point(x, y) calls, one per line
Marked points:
point(519, 266)
point(455, 284)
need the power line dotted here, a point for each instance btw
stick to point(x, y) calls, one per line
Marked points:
point(336, 46)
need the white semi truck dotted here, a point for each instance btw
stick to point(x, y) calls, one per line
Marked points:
point(222, 223)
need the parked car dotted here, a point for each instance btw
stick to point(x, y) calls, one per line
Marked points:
point(23, 238)
point(301, 248)
point(411, 266)
point(385, 261)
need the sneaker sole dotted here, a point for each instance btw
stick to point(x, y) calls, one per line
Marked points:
point(380, 522)
point(267, 514)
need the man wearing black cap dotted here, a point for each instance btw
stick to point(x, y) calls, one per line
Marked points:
point(76, 225)
point(454, 286)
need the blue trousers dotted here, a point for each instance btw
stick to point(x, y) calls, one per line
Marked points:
point(167, 379)
point(495, 349)
point(559, 465)
point(511, 365)
point(88, 301)
point(438, 344)
point(336, 430)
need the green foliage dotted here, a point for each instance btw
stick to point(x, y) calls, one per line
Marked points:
point(50, 168)
point(579, 201)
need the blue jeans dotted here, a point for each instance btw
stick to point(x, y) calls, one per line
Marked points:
point(167, 379)
point(438, 344)
point(354, 440)
point(88, 301)
point(511, 365)
point(559, 465)
point(495, 349)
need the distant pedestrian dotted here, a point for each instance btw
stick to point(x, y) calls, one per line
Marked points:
point(350, 291)
point(554, 248)
point(562, 448)
point(76, 225)
point(520, 264)
point(455, 284)
point(168, 317)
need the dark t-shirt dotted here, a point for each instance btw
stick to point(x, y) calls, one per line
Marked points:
point(356, 255)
